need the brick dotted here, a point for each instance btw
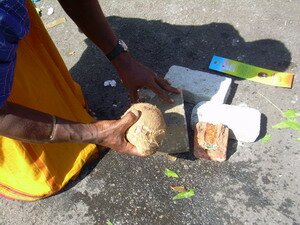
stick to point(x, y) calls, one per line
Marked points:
point(176, 140)
point(199, 86)
point(243, 122)
point(210, 141)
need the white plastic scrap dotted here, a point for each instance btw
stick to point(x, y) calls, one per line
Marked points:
point(50, 11)
point(111, 83)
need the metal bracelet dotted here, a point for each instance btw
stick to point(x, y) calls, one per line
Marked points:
point(53, 128)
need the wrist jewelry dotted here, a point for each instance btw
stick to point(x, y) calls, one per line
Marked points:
point(117, 50)
point(53, 128)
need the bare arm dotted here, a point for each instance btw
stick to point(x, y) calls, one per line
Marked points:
point(28, 125)
point(88, 15)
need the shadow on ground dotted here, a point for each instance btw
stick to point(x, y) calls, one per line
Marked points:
point(160, 45)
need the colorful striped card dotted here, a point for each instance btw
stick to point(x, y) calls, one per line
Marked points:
point(250, 72)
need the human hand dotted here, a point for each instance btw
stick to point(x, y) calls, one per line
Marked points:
point(112, 133)
point(134, 76)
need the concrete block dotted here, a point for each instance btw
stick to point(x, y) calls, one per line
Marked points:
point(210, 141)
point(243, 122)
point(199, 86)
point(176, 140)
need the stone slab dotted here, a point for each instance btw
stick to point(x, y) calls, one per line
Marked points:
point(176, 140)
point(199, 86)
point(243, 122)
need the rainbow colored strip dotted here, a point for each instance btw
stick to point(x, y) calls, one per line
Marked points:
point(250, 72)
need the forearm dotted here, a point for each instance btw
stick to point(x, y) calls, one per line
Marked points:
point(32, 126)
point(88, 16)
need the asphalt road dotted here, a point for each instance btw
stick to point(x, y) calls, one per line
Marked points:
point(258, 184)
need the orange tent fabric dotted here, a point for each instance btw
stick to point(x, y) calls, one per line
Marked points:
point(42, 82)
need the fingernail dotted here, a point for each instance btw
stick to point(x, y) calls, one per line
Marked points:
point(135, 112)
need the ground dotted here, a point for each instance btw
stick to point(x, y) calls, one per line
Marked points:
point(258, 184)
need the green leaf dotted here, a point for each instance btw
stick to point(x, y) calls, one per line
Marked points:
point(171, 173)
point(109, 223)
point(293, 125)
point(280, 125)
point(187, 194)
point(288, 124)
point(290, 114)
point(298, 139)
point(266, 138)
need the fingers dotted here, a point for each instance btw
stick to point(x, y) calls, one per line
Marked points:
point(166, 85)
point(132, 150)
point(134, 97)
point(160, 92)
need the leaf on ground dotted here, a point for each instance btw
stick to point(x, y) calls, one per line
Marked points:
point(290, 114)
point(287, 124)
point(178, 188)
point(171, 173)
point(187, 194)
point(55, 22)
point(266, 138)
point(109, 223)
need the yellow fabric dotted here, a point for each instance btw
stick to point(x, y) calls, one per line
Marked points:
point(42, 82)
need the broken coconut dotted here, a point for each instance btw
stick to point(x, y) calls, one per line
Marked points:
point(150, 129)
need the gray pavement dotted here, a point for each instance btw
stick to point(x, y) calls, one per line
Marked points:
point(259, 184)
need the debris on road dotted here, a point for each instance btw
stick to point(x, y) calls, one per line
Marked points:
point(38, 10)
point(250, 72)
point(182, 195)
point(171, 157)
point(171, 173)
point(55, 23)
point(210, 141)
point(71, 53)
point(266, 138)
point(109, 223)
point(111, 83)
point(178, 188)
point(50, 11)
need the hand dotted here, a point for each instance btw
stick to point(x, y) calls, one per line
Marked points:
point(111, 134)
point(134, 76)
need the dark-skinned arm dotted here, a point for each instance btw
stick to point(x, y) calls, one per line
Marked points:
point(88, 16)
point(28, 125)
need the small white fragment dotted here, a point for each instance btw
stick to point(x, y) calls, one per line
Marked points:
point(50, 11)
point(295, 99)
point(111, 83)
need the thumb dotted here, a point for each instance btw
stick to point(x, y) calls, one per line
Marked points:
point(130, 118)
